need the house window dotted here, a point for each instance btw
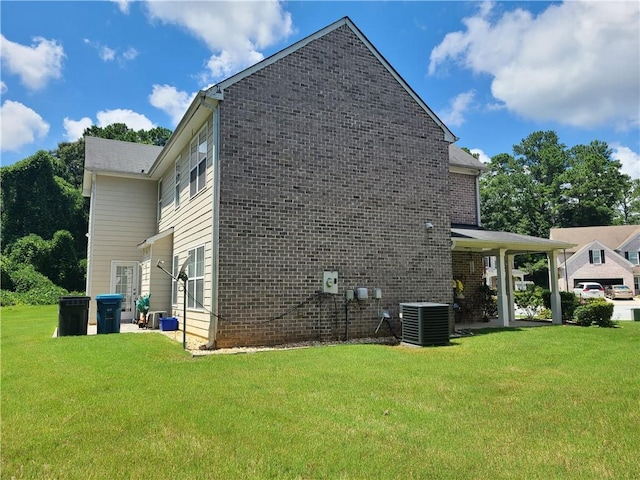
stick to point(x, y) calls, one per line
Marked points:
point(174, 282)
point(159, 200)
point(195, 284)
point(636, 284)
point(176, 192)
point(198, 162)
point(596, 256)
point(633, 257)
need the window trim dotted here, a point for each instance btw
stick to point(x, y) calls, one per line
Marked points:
point(198, 167)
point(193, 302)
point(174, 281)
point(177, 181)
point(159, 212)
point(600, 259)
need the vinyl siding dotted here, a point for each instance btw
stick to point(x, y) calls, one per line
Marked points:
point(192, 224)
point(123, 215)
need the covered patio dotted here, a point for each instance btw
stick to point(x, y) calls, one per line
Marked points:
point(504, 246)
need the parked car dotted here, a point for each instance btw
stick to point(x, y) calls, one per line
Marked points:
point(618, 291)
point(589, 290)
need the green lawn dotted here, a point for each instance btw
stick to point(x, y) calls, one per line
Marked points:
point(545, 403)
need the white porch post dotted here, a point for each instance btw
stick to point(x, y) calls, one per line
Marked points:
point(503, 298)
point(510, 288)
point(556, 306)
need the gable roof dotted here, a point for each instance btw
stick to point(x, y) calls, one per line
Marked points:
point(610, 254)
point(217, 91)
point(612, 236)
point(459, 158)
point(116, 157)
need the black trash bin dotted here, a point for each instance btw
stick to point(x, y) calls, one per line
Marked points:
point(73, 315)
point(109, 306)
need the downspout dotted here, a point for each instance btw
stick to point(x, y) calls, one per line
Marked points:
point(215, 222)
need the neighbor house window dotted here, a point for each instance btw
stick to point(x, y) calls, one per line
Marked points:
point(198, 162)
point(596, 256)
point(176, 191)
point(159, 200)
point(174, 282)
point(633, 257)
point(195, 284)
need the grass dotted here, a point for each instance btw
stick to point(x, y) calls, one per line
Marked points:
point(550, 402)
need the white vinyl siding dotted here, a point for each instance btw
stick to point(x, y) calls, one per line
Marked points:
point(122, 211)
point(198, 162)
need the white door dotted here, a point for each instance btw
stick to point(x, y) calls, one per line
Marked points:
point(124, 280)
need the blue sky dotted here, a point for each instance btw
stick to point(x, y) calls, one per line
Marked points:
point(494, 72)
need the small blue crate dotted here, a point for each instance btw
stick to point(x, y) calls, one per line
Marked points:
point(168, 324)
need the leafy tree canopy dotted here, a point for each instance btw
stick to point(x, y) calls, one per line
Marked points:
point(544, 185)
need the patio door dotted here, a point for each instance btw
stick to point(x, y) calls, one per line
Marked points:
point(124, 280)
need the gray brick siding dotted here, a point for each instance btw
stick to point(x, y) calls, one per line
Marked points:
point(463, 199)
point(327, 163)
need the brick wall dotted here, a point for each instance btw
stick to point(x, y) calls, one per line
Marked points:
point(463, 199)
point(327, 163)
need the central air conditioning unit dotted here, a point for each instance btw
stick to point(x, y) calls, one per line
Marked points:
point(425, 323)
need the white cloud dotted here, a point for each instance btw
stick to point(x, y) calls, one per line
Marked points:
point(483, 157)
point(20, 126)
point(37, 64)
point(3, 87)
point(630, 160)
point(123, 5)
point(108, 54)
point(75, 128)
point(130, 54)
point(171, 101)
point(235, 32)
point(576, 63)
point(458, 106)
point(131, 119)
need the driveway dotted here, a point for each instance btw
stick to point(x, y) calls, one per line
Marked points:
point(622, 308)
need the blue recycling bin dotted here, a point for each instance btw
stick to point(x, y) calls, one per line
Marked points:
point(109, 307)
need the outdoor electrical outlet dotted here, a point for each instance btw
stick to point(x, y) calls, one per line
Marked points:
point(330, 283)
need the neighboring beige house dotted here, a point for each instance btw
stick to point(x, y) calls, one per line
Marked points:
point(312, 174)
point(607, 255)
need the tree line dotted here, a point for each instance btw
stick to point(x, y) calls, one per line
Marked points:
point(541, 185)
point(45, 218)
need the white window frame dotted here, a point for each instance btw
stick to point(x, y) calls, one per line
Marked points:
point(634, 257)
point(159, 215)
point(198, 162)
point(595, 255)
point(174, 282)
point(195, 282)
point(176, 182)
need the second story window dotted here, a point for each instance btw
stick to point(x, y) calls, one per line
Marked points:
point(176, 192)
point(596, 256)
point(633, 257)
point(160, 200)
point(198, 162)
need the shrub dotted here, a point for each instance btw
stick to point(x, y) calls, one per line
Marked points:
point(529, 300)
point(598, 312)
point(8, 298)
point(568, 302)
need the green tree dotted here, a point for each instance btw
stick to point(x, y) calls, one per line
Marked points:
point(592, 187)
point(119, 131)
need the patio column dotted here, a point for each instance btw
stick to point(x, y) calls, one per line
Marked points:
point(510, 288)
point(502, 287)
point(556, 305)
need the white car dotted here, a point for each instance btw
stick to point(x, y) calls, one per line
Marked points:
point(589, 290)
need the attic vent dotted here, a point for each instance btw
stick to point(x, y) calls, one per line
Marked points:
point(425, 324)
